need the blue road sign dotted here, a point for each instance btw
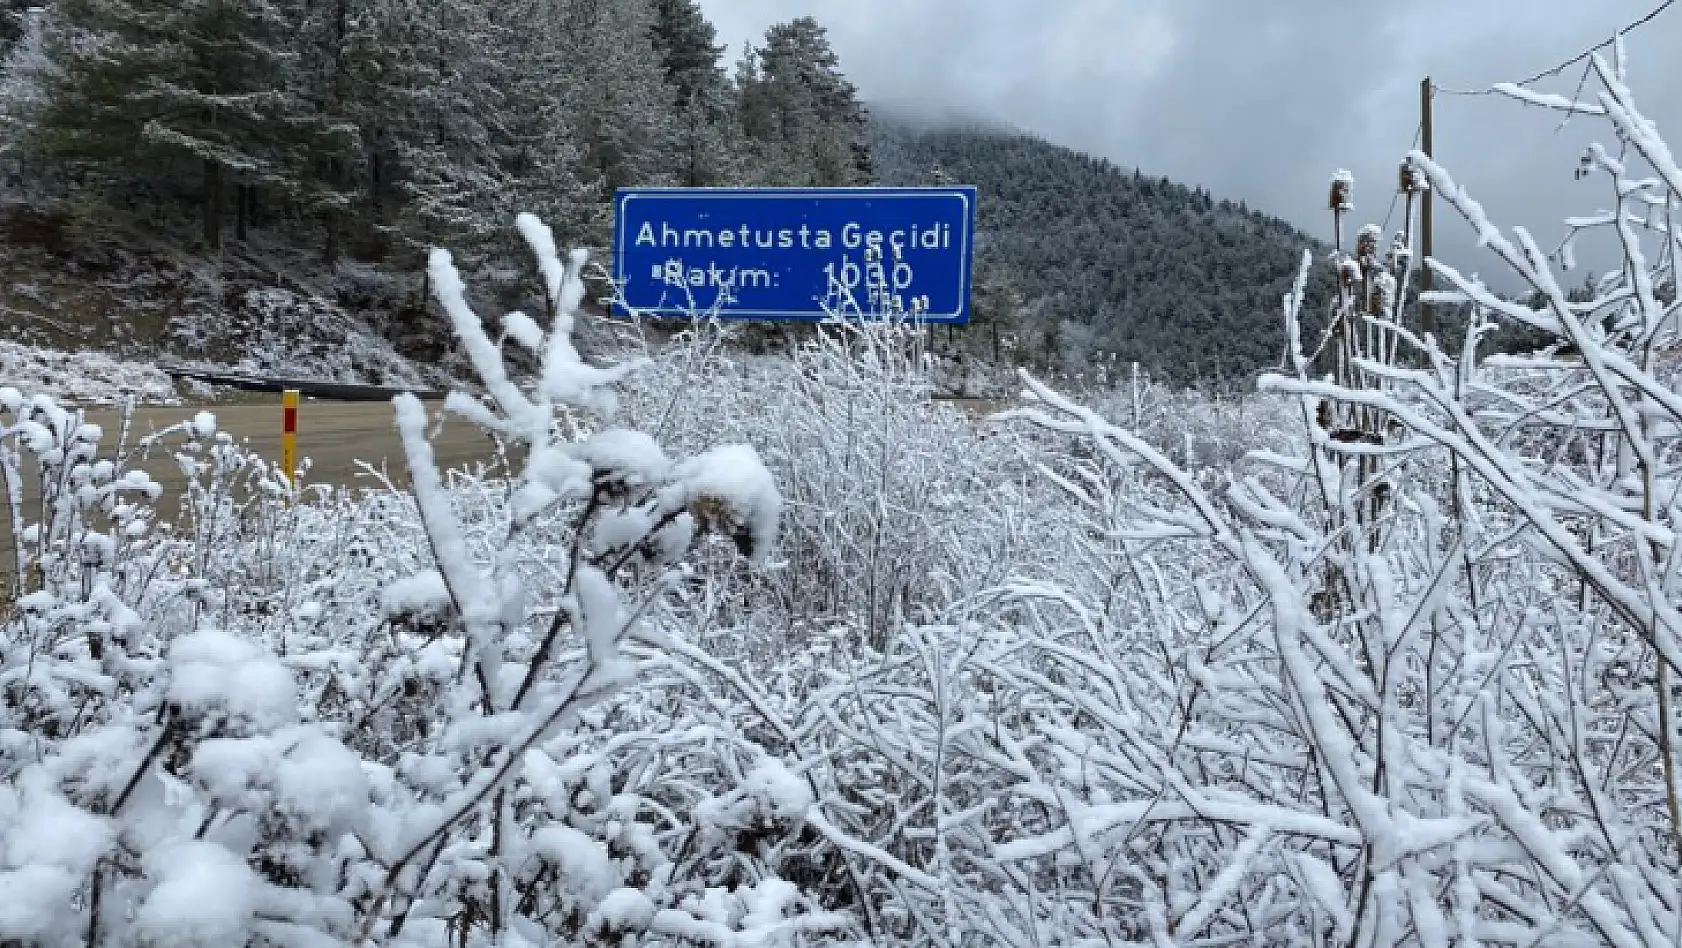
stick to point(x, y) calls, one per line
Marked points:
point(794, 253)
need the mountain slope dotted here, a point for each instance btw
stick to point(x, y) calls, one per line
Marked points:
point(1108, 266)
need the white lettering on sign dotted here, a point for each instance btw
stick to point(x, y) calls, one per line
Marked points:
point(675, 272)
point(853, 236)
point(667, 237)
point(938, 237)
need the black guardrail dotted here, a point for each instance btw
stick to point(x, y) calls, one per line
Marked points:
point(309, 388)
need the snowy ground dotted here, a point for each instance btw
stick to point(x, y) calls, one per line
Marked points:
point(280, 332)
point(83, 377)
point(273, 333)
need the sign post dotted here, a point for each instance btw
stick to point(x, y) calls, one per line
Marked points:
point(795, 253)
point(289, 435)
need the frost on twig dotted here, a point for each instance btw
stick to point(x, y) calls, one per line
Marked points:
point(630, 512)
point(1410, 689)
point(291, 723)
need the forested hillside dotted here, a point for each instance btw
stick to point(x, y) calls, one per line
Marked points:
point(220, 148)
point(390, 126)
point(1109, 266)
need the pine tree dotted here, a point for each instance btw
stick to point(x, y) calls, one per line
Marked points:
point(619, 100)
point(708, 141)
point(335, 37)
point(686, 44)
point(538, 149)
point(709, 145)
point(145, 86)
point(755, 108)
point(794, 100)
point(1051, 344)
point(420, 124)
point(23, 78)
point(447, 102)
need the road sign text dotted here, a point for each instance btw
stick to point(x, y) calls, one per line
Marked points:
point(791, 254)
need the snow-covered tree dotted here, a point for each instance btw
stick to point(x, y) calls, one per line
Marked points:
point(337, 75)
point(538, 146)
point(620, 102)
point(382, 124)
point(157, 87)
point(448, 90)
point(687, 46)
point(24, 75)
point(709, 145)
point(796, 104)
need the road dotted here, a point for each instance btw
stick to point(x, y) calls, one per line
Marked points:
point(333, 436)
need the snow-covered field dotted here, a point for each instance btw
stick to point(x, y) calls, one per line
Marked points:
point(755, 653)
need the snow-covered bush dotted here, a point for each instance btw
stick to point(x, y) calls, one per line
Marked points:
point(1410, 685)
point(1402, 677)
point(894, 503)
point(1200, 431)
point(85, 542)
point(379, 719)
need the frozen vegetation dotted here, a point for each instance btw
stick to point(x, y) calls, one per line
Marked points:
point(737, 655)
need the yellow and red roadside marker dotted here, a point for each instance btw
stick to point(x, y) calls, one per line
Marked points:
point(289, 434)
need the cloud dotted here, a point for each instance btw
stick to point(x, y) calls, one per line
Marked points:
point(1262, 101)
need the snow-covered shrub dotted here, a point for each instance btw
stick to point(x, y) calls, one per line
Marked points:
point(82, 549)
point(83, 377)
point(896, 504)
point(85, 537)
point(379, 719)
point(625, 512)
point(882, 509)
point(1409, 685)
point(893, 502)
point(1200, 431)
point(1401, 677)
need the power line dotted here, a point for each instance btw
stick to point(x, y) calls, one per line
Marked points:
point(1585, 54)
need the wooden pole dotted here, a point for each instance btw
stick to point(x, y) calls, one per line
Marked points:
point(1427, 319)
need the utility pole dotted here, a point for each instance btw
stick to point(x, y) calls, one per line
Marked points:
point(1427, 319)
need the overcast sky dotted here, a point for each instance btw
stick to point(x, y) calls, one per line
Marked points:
point(1262, 100)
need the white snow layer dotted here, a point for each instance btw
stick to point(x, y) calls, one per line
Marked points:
point(82, 377)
